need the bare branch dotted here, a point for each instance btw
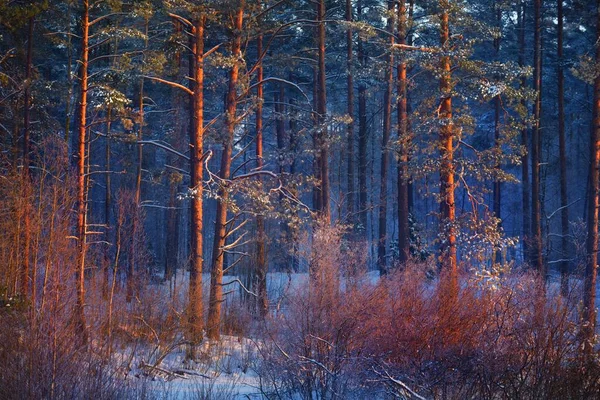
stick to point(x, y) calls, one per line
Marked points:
point(169, 83)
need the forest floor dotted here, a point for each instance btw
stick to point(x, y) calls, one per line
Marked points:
point(229, 368)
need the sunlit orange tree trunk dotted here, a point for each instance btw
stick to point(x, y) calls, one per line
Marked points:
point(81, 177)
point(196, 306)
point(195, 312)
point(446, 146)
point(216, 278)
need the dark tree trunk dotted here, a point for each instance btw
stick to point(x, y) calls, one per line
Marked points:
point(536, 226)
point(261, 254)
point(525, 184)
point(589, 284)
point(325, 208)
point(564, 201)
point(136, 222)
point(350, 111)
point(404, 144)
point(362, 137)
point(387, 122)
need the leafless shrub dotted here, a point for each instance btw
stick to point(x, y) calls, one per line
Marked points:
point(408, 337)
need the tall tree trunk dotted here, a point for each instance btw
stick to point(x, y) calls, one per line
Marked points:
point(196, 305)
point(404, 145)
point(447, 204)
point(136, 222)
point(69, 76)
point(173, 211)
point(564, 264)
point(261, 255)
point(293, 129)
point(525, 185)
point(322, 115)
point(25, 267)
point(216, 281)
point(362, 136)
point(497, 104)
point(589, 284)
point(280, 126)
point(81, 177)
point(536, 226)
point(387, 122)
point(315, 141)
point(107, 200)
point(350, 111)
point(496, 190)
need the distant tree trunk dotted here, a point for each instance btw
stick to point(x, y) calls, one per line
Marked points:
point(447, 204)
point(564, 264)
point(131, 278)
point(69, 76)
point(525, 185)
point(261, 254)
point(315, 141)
point(350, 111)
point(387, 122)
point(81, 177)
point(216, 281)
point(322, 115)
point(25, 267)
point(196, 305)
point(107, 200)
point(496, 191)
point(404, 142)
point(589, 284)
point(362, 136)
point(497, 104)
point(293, 129)
point(174, 179)
point(537, 256)
point(280, 126)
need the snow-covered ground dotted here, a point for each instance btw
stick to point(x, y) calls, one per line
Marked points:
point(224, 370)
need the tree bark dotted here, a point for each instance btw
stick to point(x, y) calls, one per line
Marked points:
point(196, 305)
point(497, 104)
point(81, 178)
point(525, 184)
point(350, 111)
point(447, 204)
point(261, 255)
point(362, 136)
point(404, 144)
point(131, 278)
point(387, 122)
point(173, 213)
point(564, 201)
point(536, 226)
point(216, 282)
point(325, 209)
point(589, 284)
